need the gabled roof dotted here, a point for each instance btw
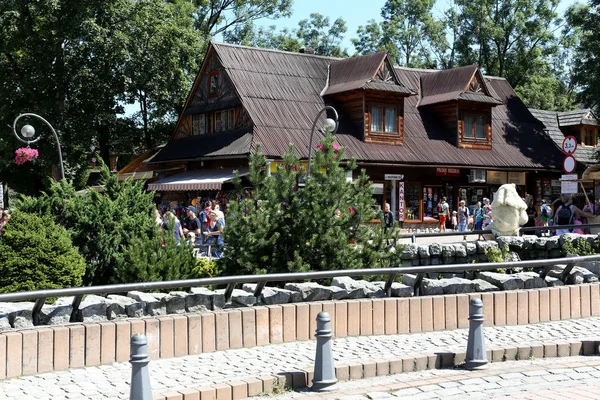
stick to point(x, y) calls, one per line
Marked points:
point(550, 119)
point(359, 73)
point(281, 93)
point(577, 117)
point(452, 84)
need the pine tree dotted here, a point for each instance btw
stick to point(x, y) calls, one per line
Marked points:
point(289, 227)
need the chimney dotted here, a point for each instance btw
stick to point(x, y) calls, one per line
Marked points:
point(307, 50)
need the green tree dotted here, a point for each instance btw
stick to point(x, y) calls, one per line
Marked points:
point(584, 21)
point(324, 37)
point(507, 38)
point(36, 254)
point(287, 227)
point(315, 32)
point(109, 228)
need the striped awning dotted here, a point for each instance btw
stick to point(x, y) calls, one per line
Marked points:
point(208, 179)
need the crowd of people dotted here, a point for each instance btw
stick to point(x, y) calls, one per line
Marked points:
point(200, 228)
point(463, 219)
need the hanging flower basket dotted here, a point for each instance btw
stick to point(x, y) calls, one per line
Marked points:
point(336, 148)
point(25, 154)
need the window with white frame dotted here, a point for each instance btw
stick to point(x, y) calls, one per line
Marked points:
point(384, 119)
point(224, 120)
point(474, 127)
point(199, 124)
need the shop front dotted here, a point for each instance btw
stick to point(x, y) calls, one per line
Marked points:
point(418, 193)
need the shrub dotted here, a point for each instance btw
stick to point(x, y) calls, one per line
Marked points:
point(580, 246)
point(114, 230)
point(35, 254)
point(289, 227)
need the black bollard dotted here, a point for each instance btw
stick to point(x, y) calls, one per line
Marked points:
point(324, 379)
point(140, 376)
point(476, 357)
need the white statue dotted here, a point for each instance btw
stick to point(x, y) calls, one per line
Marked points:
point(508, 211)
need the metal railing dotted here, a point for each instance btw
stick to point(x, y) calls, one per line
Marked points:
point(40, 296)
point(414, 236)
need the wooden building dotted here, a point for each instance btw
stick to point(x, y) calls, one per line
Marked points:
point(420, 134)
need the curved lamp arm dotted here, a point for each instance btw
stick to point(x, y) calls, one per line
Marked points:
point(312, 131)
point(28, 142)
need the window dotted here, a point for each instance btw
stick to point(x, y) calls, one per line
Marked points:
point(224, 120)
point(384, 119)
point(589, 136)
point(199, 124)
point(213, 84)
point(474, 127)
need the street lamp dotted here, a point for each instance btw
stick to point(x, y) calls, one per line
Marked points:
point(330, 124)
point(28, 132)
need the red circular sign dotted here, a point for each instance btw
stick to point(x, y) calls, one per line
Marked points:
point(569, 145)
point(569, 164)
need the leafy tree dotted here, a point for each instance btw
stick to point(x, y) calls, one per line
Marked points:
point(218, 16)
point(507, 38)
point(322, 36)
point(316, 32)
point(584, 20)
point(35, 254)
point(286, 227)
point(267, 38)
point(109, 228)
point(546, 93)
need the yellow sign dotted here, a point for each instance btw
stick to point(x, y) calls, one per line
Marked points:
point(518, 178)
point(496, 177)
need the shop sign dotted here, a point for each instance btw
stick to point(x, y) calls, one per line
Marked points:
point(394, 177)
point(401, 204)
point(443, 171)
point(518, 178)
point(568, 183)
point(496, 177)
point(555, 183)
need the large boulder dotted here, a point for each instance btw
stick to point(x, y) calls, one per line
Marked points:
point(355, 289)
point(540, 243)
point(577, 276)
point(239, 298)
point(152, 305)
point(51, 314)
point(531, 280)
point(552, 243)
point(175, 302)
point(513, 242)
point(217, 300)
point(483, 245)
point(503, 281)
point(92, 309)
point(471, 248)
point(431, 287)
point(397, 290)
point(310, 291)
point(479, 285)
point(21, 316)
point(122, 307)
point(423, 251)
point(591, 266)
point(529, 241)
point(273, 295)
point(435, 250)
point(456, 285)
point(460, 250)
point(409, 252)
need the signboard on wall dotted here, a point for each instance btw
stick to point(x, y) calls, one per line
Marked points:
point(518, 178)
point(496, 177)
point(401, 204)
point(394, 177)
point(444, 171)
point(568, 183)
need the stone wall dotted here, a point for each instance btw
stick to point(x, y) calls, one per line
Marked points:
point(43, 349)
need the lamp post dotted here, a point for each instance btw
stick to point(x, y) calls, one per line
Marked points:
point(28, 132)
point(329, 123)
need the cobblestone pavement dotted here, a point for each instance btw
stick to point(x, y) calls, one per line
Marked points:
point(112, 381)
point(552, 378)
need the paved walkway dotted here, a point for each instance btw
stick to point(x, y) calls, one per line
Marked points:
point(112, 381)
point(552, 378)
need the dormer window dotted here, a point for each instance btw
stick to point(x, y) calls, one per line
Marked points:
point(474, 127)
point(199, 124)
point(384, 119)
point(589, 136)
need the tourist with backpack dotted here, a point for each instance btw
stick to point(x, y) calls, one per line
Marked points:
point(546, 213)
point(565, 214)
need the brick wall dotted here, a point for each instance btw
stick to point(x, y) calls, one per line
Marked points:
point(44, 349)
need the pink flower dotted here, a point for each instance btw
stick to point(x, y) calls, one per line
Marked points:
point(25, 154)
point(336, 147)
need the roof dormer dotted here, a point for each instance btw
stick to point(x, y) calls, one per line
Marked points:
point(582, 124)
point(371, 96)
point(462, 102)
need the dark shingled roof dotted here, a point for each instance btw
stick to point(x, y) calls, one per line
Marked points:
point(550, 119)
point(358, 73)
point(451, 84)
point(577, 117)
point(281, 91)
